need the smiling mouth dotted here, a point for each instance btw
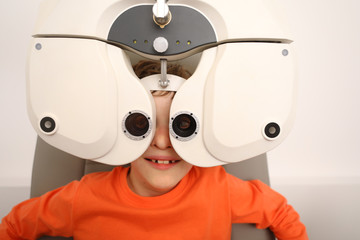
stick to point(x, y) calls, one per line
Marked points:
point(162, 162)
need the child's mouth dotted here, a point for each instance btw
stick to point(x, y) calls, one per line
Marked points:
point(162, 164)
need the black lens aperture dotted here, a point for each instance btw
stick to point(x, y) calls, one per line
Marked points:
point(47, 124)
point(137, 124)
point(184, 125)
point(272, 130)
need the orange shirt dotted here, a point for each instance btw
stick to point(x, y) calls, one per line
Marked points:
point(202, 206)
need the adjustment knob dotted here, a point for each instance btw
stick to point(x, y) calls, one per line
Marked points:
point(160, 44)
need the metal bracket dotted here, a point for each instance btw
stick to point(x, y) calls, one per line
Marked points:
point(161, 13)
point(164, 82)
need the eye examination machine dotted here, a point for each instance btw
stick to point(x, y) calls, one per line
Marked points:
point(84, 98)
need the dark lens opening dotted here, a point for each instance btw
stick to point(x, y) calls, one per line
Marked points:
point(272, 130)
point(184, 125)
point(137, 124)
point(47, 124)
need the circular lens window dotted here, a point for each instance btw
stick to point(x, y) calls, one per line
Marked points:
point(136, 125)
point(47, 125)
point(184, 126)
point(272, 130)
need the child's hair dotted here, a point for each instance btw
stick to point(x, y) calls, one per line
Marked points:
point(146, 68)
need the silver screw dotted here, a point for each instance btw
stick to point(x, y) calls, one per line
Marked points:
point(38, 46)
point(285, 52)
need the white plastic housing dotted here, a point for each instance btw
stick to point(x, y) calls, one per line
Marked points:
point(249, 86)
point(190, 98)
point(236, 90)
point(87, 87)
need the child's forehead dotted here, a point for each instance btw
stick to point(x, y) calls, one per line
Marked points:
point(152, 83)
point(164, 99)
point(160, 93)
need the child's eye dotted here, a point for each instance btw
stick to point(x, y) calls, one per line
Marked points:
point(184, 126)
point(136, 124)
point(184, 123)
point(140, 122)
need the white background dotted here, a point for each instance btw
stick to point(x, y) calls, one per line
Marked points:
point(317, 167)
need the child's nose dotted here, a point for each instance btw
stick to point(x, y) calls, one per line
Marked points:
point(161, 139)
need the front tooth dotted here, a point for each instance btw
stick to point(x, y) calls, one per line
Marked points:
point(163, 162)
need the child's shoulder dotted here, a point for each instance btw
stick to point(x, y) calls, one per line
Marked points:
point(100, 177)
point(219, 174)
point(209, 170)
point(210, 173)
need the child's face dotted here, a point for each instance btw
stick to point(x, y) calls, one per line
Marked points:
point(160, 168)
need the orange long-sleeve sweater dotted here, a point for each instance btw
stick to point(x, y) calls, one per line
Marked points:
point(202, 206)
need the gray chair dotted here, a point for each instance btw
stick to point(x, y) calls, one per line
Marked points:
point(54, 168)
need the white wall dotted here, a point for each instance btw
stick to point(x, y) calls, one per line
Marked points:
point(325, 141)
point(317, 167)
point(17, 138)
point(319, 160)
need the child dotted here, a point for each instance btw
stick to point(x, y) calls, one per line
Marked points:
point(160, 196)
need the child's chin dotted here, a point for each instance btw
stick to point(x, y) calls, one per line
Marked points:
point(164, 185)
